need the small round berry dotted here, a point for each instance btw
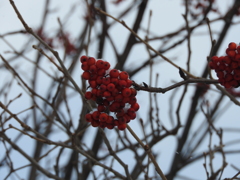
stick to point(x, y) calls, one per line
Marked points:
point(91, 61)
point(110, 120)
point(122, 126)
point(93, 68)
point(93, 84)
point(110, 98)
point(232, 46)
point(106, 65)
point(88, 95)
point(126, 92)
point(230, 53)
point(135, 106)
point(133, 92)
point(114, 80)
point(228, 77)
point(103, 87)
point(86, 75)
point(119, 98)
point(93, 76)
point(99, 80)
point(122, 83)
point(95, 115)
point(123, 75)
point(132, 100)
point(115, 92)
point(101, 108)
point(85, 66)
point(103, 117)
point(110, 87)
point(88, 117)
point(110, 126)
point(129, 83)
point(100, 64)
point(102, 124)
point(101, 72)
point(83, 59)
point(106, 80)
point(114, 73)
point(106, 94)
point(95, 123)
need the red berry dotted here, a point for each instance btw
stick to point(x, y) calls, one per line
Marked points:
point(101, 72)
point(133, 92)
point(100, 64)
point(106, 80)
point(96, 115)
point(129, 83)
point(95, 123)
point(106, 94)
point(110, 126)
point(126, 92)
point(103, 88)
point(88, 95)
point(123, 75)
point(83, 59)
point(135, 106)
point(228, 77)
point(88, 117)
point(232, 46)
point(86, 75)
point(106, 65)
point(101, 108)
point(110, 120)
point(110, 87)
point(114, 73)
point(110, 98)
point(94, 91)
point(119, 98)
point(126, 99)
point(122, 83)
point(93, 84)
point(99, 80)
point(230, 53)
point(234, 65)
point(122, 126)
point(93, 68)
point(103, 117)
point(93, 76)
point(238, 49)
point(91, 61)
point(102, 124)
point(85, 66)
point(115, 92)
point(114, 80)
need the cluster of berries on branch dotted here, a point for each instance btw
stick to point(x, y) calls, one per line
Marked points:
point(112, 91)
point(227, 67)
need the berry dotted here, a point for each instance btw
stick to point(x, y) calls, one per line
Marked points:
point(84, 59)
point(126, 92)
point(103, 117)
point(123, 75)
point(96, 115)
point(85, 66)
point(122, 126)
point(110, 87)
point(100, 64)
point(86, 75)
point(106, 65)
point(88, 95)
point(114, 73)
point(88, 117)
point(232, 46)
point(135, 106)
point(91, 61)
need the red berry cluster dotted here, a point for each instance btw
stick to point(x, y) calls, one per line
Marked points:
point(112, 91)
point(227, 67)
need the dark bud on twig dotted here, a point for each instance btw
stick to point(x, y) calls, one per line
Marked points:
point(182, 74)
point(145, 85)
